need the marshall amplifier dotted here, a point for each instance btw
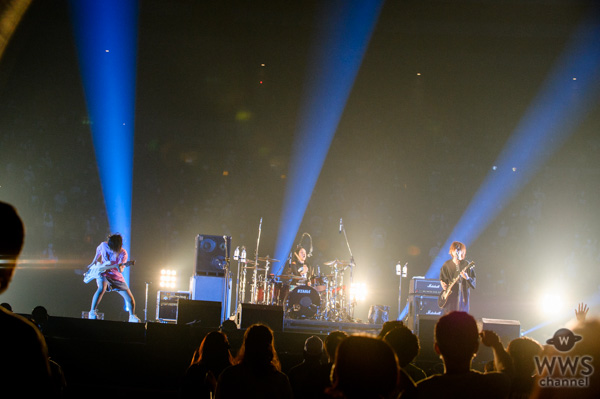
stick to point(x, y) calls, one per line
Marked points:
point(420, 305)
point(422, 286)
point(423, 313)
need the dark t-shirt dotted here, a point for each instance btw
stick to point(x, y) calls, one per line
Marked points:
point(472, 384)
point(241, 381)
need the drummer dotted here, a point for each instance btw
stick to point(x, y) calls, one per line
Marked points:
point(298, 264)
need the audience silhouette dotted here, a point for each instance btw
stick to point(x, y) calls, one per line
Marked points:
point(208, 362)
point(389, 326)
point(24, 366)
point(457, 341)
point(523, 351)
point(257, 372)
point(307, 378)
point(39, 317)
point(406, 345)
point(365, 367)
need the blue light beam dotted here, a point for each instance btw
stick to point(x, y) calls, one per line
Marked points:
point(562, 103)
point(345, 29)
point(106, 38)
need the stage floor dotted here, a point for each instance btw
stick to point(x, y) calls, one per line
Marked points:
point(325, 327)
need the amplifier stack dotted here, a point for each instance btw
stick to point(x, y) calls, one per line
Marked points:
point(424, 312)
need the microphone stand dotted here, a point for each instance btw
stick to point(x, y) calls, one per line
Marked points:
point(146, 304)
point(224, 312)
point(236, 257)
point(352, 264)
point(255, 282)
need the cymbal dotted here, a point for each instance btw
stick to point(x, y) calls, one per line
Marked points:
point(260, 269)
point(291, 277)
point(268, 259)
point(337, 262)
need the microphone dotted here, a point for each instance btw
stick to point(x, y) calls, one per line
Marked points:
point(341, 225)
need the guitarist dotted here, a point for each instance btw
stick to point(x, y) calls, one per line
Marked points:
point(458, 298)
point(112, 280)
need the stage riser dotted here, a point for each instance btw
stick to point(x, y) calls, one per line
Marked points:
point(162, 333)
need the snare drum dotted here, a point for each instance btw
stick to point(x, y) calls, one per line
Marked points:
point(303, 302)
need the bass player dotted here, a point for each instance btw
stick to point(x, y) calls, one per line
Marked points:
point(112, 251)
point(459, 271)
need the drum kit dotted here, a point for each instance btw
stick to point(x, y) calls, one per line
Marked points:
point(318, 297)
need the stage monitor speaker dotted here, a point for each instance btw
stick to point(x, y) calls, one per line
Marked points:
point(507, 330)
point(199, 313)
point(166, 304)
point(249, 314)
point(211, 256)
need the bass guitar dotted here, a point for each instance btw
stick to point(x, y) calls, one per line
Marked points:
point(443, 298)
point(95, 269)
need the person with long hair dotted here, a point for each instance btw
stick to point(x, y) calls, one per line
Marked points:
point(112, 252)
point(208, 362)
point(257, 370)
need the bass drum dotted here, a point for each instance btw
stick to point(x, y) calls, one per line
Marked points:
point(303, 302)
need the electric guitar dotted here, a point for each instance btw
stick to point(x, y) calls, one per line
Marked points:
point(443, 298)
point(95, 269)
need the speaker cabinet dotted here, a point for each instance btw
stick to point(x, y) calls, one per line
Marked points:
point(422, 307)
point(210, 254)
point(507, 330)
point(207, 288)
point(249, 314)
point(425, 330)
point(200, 313)
point(166, 304)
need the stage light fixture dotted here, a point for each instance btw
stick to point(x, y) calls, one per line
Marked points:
point(358, 292)
point(168, 278)
point(551, 303)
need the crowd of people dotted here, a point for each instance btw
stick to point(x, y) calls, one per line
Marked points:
point(383, 366)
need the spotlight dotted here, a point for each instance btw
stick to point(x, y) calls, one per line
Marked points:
point(551, 303)
point(168, 278)
point(358, 292)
